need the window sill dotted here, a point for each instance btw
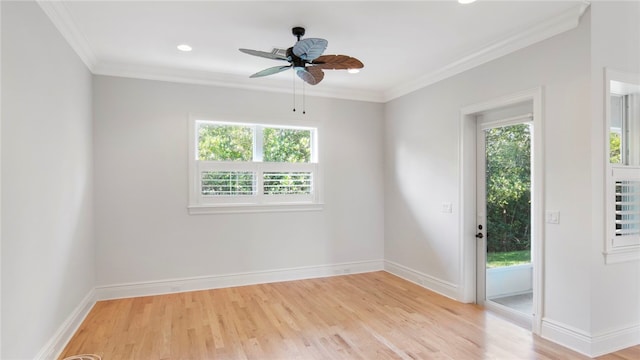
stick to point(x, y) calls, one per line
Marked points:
point(614, 256)
point(252, 208)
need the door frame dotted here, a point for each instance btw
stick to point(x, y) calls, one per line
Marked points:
point(467, 196)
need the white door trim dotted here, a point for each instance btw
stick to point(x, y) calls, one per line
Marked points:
point(467, 196)
point(481, 216)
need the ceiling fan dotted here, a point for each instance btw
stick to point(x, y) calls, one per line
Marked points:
point(306, 58)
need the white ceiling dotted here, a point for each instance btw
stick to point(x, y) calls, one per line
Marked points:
point(403, 44)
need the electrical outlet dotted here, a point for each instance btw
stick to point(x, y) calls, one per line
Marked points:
point(447, 207)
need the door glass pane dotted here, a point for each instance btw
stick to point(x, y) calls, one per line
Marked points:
point(508, 209)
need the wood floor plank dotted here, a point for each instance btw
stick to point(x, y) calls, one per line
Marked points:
point(364, 316)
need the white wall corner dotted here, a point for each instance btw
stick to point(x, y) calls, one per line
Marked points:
point(587, 344)
point(54, 347)
point(429, 282)
point(582, 8)
point(170, 286)
point(61, 18)
point(534, 33)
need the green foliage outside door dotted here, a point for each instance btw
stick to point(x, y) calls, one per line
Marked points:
point(508, 182)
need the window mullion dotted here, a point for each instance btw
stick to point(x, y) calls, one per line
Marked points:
point(314, 146)
point(258, 155)
point(258, 143)
point(259, 175)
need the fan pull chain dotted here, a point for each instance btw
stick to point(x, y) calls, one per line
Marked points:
point(303, 97)
point(294, 91)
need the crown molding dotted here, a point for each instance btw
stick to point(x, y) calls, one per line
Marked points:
point(61, 18)
point(63, 21)
point(201, 77)
point(541, 31)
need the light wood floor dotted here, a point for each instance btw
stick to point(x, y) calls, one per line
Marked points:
point(364, 316)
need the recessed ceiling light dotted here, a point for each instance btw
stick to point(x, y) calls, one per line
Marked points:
point(353, 71)
point(466, 1)
point(184, 47)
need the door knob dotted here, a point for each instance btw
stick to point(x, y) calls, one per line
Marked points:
point(479, 235)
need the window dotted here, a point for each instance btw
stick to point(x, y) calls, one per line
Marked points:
point(237, 167)
point(622, 108)
point(624, 131)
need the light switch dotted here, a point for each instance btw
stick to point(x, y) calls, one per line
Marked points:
point(552, 216)
point(447, 207)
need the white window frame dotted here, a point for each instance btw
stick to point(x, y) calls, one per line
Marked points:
point(258, 202)
point(627, 247)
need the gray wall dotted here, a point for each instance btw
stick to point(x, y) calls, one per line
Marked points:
point(143, 229)
point(47, 206)
point(422, 156)
point(595, 306)
point(616, 287)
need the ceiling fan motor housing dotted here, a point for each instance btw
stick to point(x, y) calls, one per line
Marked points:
point(296, 61)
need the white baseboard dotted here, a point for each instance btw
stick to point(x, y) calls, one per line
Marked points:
point(427, 281)
point(229, 280)
point(61, 337)
point(615, 340)
point(587, 344)
point(567, 336)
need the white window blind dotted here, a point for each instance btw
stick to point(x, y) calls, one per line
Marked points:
point(227, 183)
point(279, 183)
point(627, 208)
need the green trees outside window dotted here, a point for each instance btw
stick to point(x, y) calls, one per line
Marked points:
point(221, 142)
point(615, 144)
point(286, 145)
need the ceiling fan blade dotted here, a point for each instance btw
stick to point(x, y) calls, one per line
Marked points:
point(270, 71)
point(309, 49)
point(337, 62)
point(263, 54)
point(311, 75)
